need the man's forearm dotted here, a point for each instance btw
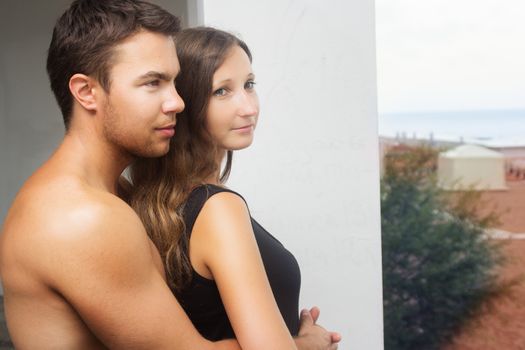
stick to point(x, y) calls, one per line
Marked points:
point(229, 344)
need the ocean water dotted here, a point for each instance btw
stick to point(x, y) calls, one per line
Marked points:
point(496, 128)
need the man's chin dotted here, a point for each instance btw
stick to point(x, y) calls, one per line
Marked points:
point(151, 153)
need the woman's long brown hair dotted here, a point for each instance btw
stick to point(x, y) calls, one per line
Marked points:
point(160, 186)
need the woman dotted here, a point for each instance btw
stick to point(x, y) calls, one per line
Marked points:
point(230, 275)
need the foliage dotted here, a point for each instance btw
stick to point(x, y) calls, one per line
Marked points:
point(437, 265)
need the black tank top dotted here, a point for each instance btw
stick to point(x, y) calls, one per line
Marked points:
point(201, 299)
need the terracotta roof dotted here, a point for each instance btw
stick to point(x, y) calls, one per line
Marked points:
point(512, 203)
point(501, 322)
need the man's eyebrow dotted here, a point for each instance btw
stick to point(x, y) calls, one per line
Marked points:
point(155, 75)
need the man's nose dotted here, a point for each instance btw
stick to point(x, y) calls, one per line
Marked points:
point(174, 104)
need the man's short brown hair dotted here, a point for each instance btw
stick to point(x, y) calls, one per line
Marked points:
point(85, 35)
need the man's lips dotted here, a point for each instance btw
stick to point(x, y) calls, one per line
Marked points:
point(168, 130)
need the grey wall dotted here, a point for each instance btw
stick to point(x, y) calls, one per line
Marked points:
point(180, 8)
point(3, 131)
point(29, 117)
point(30, 121)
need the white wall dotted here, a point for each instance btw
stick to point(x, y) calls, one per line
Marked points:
point(312, 176)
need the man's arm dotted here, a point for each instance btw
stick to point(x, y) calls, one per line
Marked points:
point(102, 264)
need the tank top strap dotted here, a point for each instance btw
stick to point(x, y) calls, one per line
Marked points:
point(196, 199)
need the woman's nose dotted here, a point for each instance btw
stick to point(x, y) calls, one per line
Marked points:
point(248, 104)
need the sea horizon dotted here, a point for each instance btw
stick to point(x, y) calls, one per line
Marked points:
point(492, 128)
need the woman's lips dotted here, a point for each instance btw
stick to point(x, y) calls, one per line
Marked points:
point(246, 128)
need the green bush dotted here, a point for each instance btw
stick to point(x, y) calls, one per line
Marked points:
point(437, 266)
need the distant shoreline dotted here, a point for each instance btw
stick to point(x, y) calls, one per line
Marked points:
point(387, 140)
point(496, 129)
point(512, 153)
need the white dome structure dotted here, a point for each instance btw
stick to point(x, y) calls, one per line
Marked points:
point(471, 167)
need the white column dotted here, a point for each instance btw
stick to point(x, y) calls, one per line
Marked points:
point(312, 176)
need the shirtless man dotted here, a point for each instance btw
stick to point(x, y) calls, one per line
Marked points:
point(78, 269)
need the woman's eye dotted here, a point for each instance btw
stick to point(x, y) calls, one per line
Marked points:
point(249, 85)
point(220, 92)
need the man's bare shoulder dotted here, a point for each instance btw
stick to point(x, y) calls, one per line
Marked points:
point(66, 205)
point(63, 219)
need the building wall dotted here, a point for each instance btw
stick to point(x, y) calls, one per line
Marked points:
point(30, 121)
point(312, 176)
point(31, 125)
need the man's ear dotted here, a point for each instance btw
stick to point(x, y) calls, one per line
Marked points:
point(83, 89)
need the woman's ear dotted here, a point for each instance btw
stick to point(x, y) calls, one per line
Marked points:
point(83, 89)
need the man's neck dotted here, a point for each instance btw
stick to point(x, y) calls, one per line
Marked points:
point(97, 163)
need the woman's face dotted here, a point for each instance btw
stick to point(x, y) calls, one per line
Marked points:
point(234, 106)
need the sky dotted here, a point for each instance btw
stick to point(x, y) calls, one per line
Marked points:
point(435, 55)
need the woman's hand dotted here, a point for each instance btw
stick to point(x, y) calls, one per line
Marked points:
point(312, 336)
